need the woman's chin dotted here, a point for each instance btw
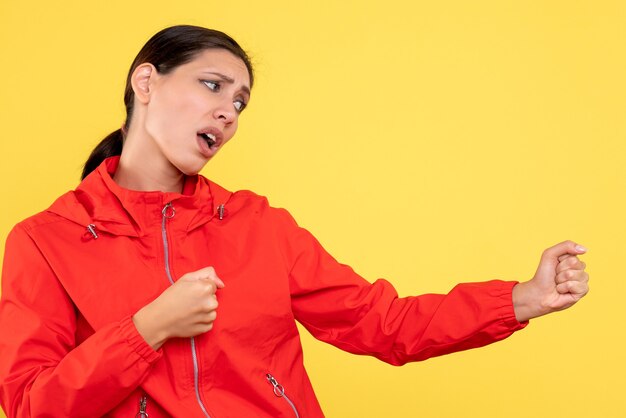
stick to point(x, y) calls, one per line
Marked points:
point(191, 168)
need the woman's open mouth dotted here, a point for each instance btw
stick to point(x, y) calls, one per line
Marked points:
point(209, 138)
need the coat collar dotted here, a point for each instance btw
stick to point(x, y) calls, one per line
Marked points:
point(101, 202)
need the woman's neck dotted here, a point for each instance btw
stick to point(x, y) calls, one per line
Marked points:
point(132, 177)
point(144, 168)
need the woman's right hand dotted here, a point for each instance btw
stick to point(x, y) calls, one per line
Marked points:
point(185, 309)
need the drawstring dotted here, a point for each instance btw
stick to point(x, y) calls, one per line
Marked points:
point(92, 229)
point(168, 212)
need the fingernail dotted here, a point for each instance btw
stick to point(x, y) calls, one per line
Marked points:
point(581, 249)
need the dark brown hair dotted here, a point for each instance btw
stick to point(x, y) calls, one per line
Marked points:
point(166, 50)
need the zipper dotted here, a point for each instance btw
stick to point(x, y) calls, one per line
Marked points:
point(143, 404)
point(169, 212)
point(279, 391)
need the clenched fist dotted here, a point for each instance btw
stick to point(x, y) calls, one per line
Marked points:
point(560, 282)
point(185, 309)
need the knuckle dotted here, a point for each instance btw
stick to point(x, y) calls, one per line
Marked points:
point(207, 286)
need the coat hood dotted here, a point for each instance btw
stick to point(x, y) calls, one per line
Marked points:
point(100, 204)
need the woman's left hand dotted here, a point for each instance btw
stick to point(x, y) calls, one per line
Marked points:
point(560, 282)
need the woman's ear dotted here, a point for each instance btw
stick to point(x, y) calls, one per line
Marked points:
point(141, 81)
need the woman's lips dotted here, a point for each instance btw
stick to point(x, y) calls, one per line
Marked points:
point(212, 133)
point(209, 139)
point(205, 149)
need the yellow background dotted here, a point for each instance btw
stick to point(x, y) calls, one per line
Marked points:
point(425, 142)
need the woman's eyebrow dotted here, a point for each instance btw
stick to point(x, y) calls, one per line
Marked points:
point(230, 80)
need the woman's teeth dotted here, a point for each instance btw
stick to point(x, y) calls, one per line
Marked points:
point(209, 138)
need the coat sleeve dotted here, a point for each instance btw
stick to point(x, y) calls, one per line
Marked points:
point(340, 307)
point(42, 371)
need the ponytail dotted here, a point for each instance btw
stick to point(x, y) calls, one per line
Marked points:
point(108, 147)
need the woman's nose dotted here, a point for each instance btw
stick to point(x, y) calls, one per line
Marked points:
point(226, 113)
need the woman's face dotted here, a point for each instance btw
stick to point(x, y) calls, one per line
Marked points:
point(193, 110)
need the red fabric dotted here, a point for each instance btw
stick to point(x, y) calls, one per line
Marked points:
point(68, 346)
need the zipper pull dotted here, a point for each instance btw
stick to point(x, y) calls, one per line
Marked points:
point(143, 404)
point(279, 391)
point(168, 211)
point(278, 388)
point(220, 211)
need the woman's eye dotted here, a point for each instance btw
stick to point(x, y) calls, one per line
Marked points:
point(239, 105)
point(212, 85)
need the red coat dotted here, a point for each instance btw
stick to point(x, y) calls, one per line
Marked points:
point(68, 346)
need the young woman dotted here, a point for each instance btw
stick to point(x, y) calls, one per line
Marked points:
point(110, 297)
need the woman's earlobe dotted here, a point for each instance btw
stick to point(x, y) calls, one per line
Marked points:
point(141, 81)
